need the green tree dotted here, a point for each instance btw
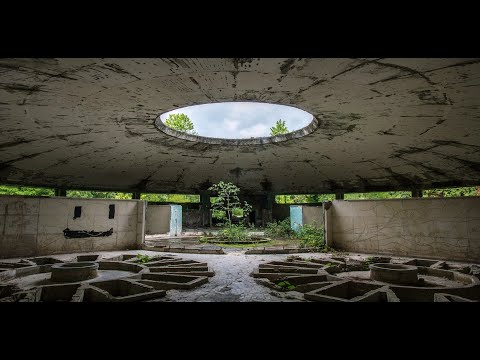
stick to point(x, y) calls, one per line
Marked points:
point(175, 198)
point(453, 192)
point(302, 199)
point(180, 122)
point(279, 128)
point(379, 195)
point(98, 194)
point(227, 199)
point(25, 191)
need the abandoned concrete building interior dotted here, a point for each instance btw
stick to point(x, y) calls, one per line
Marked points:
point(403, 126)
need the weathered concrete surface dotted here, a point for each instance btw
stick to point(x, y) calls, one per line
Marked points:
point(192, 217)
point(73, 272)
point(394, 273)
point(312, 215)
point(232, 280)
point(31, 226)
point(157, 219)
point(432, 228)
point(383, 123)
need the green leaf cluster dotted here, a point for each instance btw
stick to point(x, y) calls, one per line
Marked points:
point(279, 229)
point(180, 122)
point(279, 128)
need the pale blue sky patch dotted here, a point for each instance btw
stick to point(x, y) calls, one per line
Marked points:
point(240, 120)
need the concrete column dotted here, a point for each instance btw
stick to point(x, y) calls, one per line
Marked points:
point(60, 192)
point(339, 196)
point(267, 208)
point(205, 208)
point(328, 223)
point(417, 193)
point(136, 195)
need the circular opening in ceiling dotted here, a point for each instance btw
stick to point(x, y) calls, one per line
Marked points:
point(237, 123)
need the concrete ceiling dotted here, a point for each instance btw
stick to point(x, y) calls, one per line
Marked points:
point(383, 123)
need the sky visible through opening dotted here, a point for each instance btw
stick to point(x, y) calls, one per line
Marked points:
point(241, 120)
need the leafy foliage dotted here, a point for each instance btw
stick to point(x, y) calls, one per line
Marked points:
point(453, 192)
point(379, 195)
point(143, 258)
point(316, 198)
point(25, 190)
point(234, 233)
point(279, 128)
point(227, 200)
point(98, 194)
point(286, 285)
point(176, 198)
point(303, 199)
point(311, 236)
point(203, 239)
point(237, 212)
point(279, 229)
point(219, 214)
point(180, 122)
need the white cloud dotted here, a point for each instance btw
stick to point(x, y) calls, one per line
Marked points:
point(230, 124)
point(242, 119)
point(257, 130)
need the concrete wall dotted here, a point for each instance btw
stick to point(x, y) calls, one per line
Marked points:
point(301, 215)
point(192, 217)
point(157, 219)
point(31, 226)
point(443, 228)
point(312, 215)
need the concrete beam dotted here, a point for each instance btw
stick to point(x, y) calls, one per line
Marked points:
point(417, 193)
point(60, 192)
point(136, 195)
point(205, 205)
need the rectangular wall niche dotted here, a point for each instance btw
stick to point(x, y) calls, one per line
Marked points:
point(111, 211)
point(77, 212)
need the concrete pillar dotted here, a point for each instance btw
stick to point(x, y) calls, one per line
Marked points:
point(262, 205)
point(328, 223)
point(136, 195)
point(339, 196)
point(417, 193)
point(205, 208)
point(267, 208)
point(60, 192)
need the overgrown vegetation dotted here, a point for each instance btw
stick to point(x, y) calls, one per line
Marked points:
point(234, 233)
point(279, 199)
point(279, 229)
point(317, 198)
point(180, 122)
point(25, 191)
point(98, 194)
point(379, 195)
point(453, 192)
point(286, 285)
point(227, 200)
point(303, 199)
point(228, 203)
point(174, 198)
point(310, 236)
point(142, 259)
